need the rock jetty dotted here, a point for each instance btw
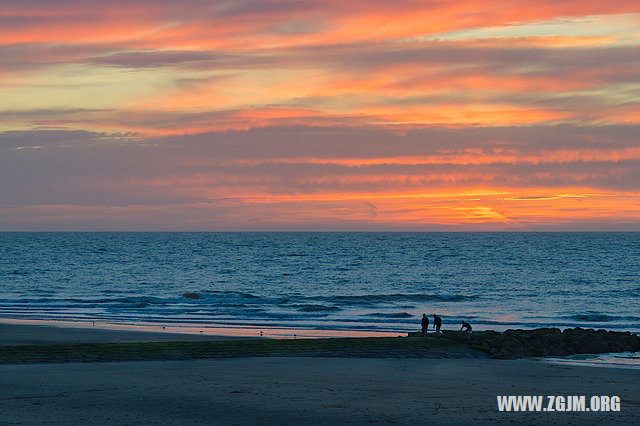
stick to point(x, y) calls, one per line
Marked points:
point(544, 342)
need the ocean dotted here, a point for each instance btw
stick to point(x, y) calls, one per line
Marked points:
point(366, 282)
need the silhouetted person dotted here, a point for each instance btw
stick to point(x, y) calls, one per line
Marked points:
point(437, 323)
point(466, 327)
point(425, 324)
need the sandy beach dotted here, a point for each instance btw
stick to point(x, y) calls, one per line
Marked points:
point(32, 334)
point(294, 390)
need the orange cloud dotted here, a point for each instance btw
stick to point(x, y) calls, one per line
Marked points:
point(416, 211)
point(271, 23)
point(224, 114)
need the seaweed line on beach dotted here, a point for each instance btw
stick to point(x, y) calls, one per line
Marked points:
point(508, 345)
point(332, 347)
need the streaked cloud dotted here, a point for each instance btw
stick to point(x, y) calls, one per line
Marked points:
point(283, 114)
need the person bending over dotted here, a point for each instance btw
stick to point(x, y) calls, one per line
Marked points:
point(437, 323)
point(466, 327)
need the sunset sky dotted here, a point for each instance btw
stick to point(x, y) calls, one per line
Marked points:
point(319, 115)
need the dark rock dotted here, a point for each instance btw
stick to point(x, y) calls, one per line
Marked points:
point(545, 342)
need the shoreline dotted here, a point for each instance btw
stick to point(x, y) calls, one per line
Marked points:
point(202, 330)
point(276, 332)
point(29, 342)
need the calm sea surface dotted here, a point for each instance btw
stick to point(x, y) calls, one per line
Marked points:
point(348, 281)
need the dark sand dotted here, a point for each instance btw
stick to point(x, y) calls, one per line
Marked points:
point(302, 390)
